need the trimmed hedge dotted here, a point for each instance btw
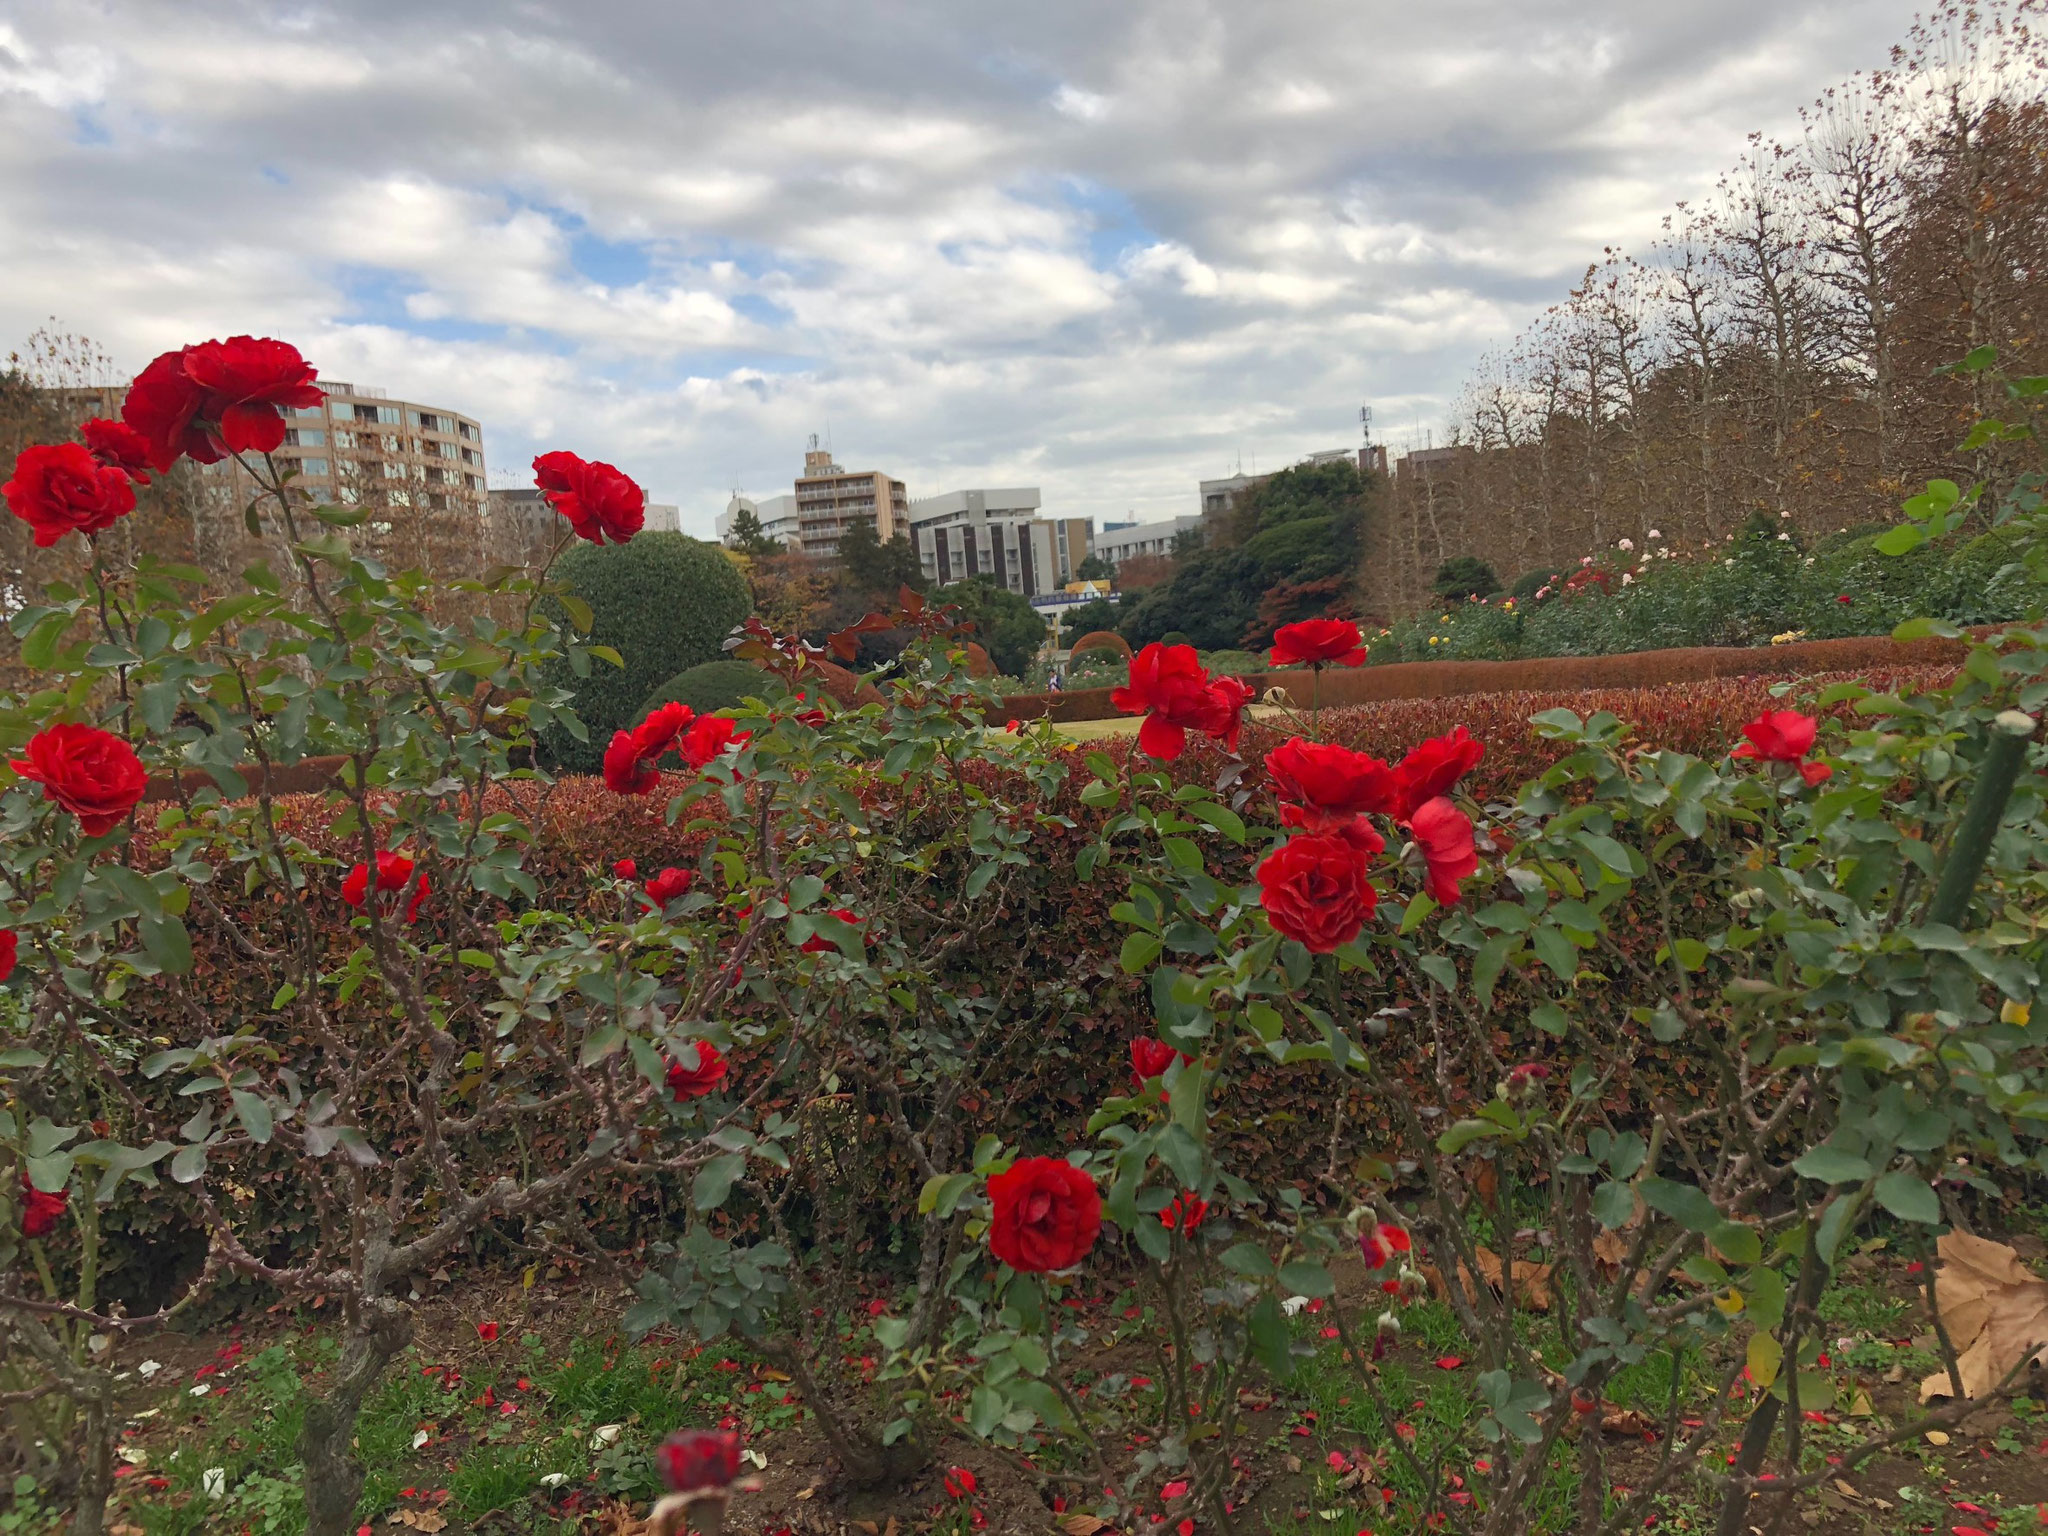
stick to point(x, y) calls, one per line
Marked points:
point(665, 602)
point(712, 686)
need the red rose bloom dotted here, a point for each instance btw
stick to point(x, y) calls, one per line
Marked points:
point(60, 488)
point(687, 1083)
point(1187, 1212)
point(709, 737)
point(1150, 1058)
point(1046, 1215)
point(1378, 1244)
point(694, 1460)
point(1435, 767)
point(1314, 890)
point(1444, 835)
point(600, 502)
point(627, 770)
point(95, 776)
point(626, 869)
point(10, 952)
point(1778, 736)
point(817, 943)
point(40, 1209)
point(666, 887)
point(393, 871)
point(1170, 687)
point(662, 728)
point(218, 398)
point(118, 446)
point(1325, 788)
point(1317, 641)
point(1223, 710)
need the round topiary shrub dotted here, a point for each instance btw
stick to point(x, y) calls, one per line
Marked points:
point(665, 602)
point(711, 686)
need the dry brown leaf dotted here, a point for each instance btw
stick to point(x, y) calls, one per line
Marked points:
point(1996, 1312)
point(1078, 1525)
point(1632, 1422)
point(867, 1527)
point(893, 1527)
point(1532, 1281)
point(1608, 1251)
point(1846, 1491)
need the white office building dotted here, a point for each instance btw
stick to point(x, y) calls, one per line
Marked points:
point(1116, 545)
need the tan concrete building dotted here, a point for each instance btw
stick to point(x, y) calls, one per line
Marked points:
point(360, 445)
point(829, 500)
point(998, 533)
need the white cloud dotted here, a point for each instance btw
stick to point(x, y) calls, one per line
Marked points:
point(1106, 250)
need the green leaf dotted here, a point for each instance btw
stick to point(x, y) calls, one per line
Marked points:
point(50, 1172)
point(1271, 1342)
point(1685, 1204)
point(1765, 1356)
point(1831, 1165)
point(1909, 1197)
point(1140, 950)
point(1247, 1259)
point(189, 1164)
point(1222, 818)
point(715, 1179)
point(1463, 1134)
point(167, 943)
point(1613, 1204)
point(1900, 539)
point(1690, 953)
point(1549, 1018)
point(1305, 1279)
point(254, 1113)
point(1738, 1243)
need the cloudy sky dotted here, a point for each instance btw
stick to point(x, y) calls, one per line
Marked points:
point(1106, 247)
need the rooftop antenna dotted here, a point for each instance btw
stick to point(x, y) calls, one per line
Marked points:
point(1365, 423)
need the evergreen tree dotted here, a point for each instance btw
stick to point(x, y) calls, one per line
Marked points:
point(747, 535)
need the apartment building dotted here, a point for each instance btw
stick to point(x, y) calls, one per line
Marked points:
point(1128, 540)
point(359, 445)
point(829, 500)
point(998, 532)
point(777, 515)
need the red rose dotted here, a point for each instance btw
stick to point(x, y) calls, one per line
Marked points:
point(817, 942)
point(1223, 709)
point(1150, 1058)
point(393, 871)
point(1316, 641)
point(1187, 1212)
point(627, 770)
point(10, 952)
point(666, 887)
point(488, 1332)
point(959, 1483)
point(1815, 773)
point(708, 737)
point(1325, 788)
point(40, 1209)
point(1778, 736)
point(1314, 890)
point(662, 728)
point(1170, 687)
point(1444, 835)
point(218, 398)
point(601, 503)
point(60, 488)
point(687, 1083)
point(693, 1460)
point(1378, 1244)
point(1434, 767)
point(626, 869)
point(1046, 1215)
point(95, 776)
point(118, 446)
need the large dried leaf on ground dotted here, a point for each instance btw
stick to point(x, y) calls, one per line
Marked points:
point(1996, 1313)
point(1532, 1281)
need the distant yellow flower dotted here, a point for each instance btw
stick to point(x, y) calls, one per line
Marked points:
point(1432, 639)
point(1788, 637)
point(2015, 1013)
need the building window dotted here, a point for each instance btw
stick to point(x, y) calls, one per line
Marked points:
point(465, 429)
point(471, 456)
point(313, 467)
point(304, 437)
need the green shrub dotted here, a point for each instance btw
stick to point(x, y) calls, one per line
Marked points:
point(1529, 583)
point(1464, 576)
point(711, 686)
point(665, 603)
